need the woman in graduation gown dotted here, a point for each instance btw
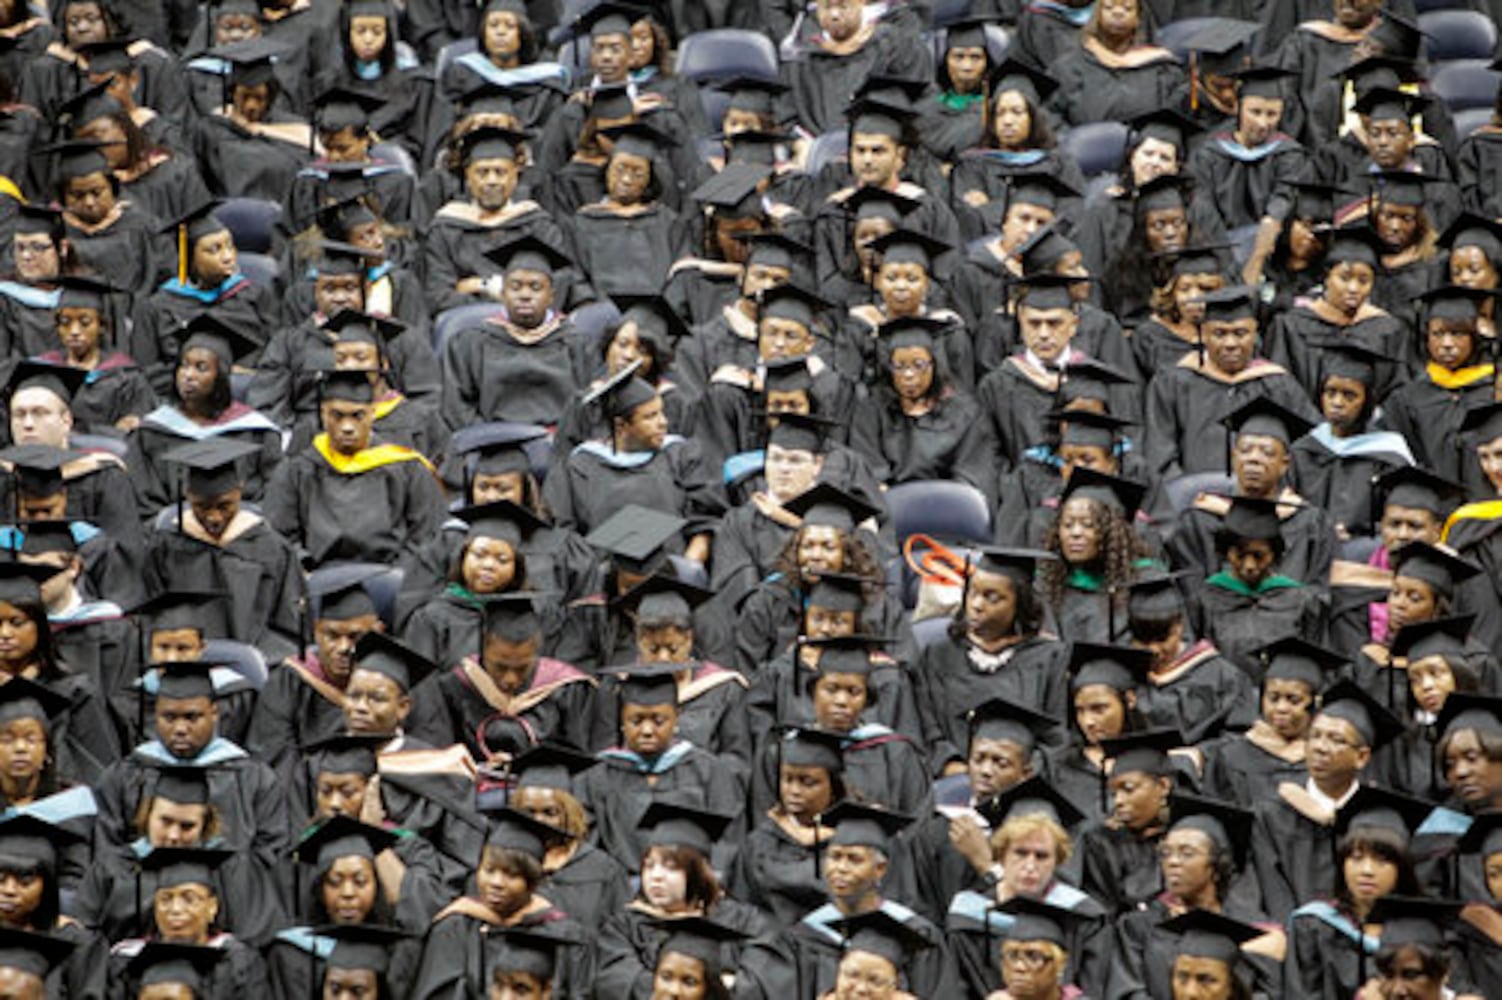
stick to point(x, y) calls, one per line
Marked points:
point(39, 255)
point(1302, 338)
point(1331, 942)
point(994, 648)
point(1103, 698)
point(1114, 74)
point(1479, 930)
point(1118, 853)
point(955, 118)
point(1016, 139)
point(1474, 260)
point(922, 424)
point(777, 868)
point(1171, 329)
point(250, 146)
point(200, 408)
point(1438, 665)
point(1099, 554)
point(629, 239)
point(368, 59)
point(342, 884)
point(506, 53)
point(1293, 267)
point(114, 394)
point(1409, 235)
point(506, 882)
point(112, 236)
point(676, 882)
point(31, 853)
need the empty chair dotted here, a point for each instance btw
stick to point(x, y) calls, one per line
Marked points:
point(831, 147)
point(381, 582)
point(726, 52)
point(251, 221)
point(458, 318)
point(241, 657)
point(1098, 147)
point(1465, 83)
point(1470, 120)
point(450, 52)
point(941, 509)
point(591, 322)
point(260, 268)
point(930, 630)
point(1458, 34)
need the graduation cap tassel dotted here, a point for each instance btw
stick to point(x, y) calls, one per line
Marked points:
point(182, 255)
point(1194, 81)
point(1110, 612)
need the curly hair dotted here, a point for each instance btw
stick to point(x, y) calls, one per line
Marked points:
point(1120, 549)
point(859, 561)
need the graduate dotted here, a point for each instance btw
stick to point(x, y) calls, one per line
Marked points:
point(1470, 529)
point(803, 961)
point(1293, 838)
point(1113, 57)
point(1476, 947)
point(114, 394)
point(509, 56)
point(1439, 664)
point(1188, 401)
point(366, 56)
point(342, 122)
point(1099, 553)
point(995, 648)
point(845, 51)
point(207, 281)
point(250, 145)
point(414, 423)
point(200, 407)
point(1263, 436)
point(1118, 852)
point(526, 961)
point(314, 494)
point(37, 852)
point(651, 763)
point(1415, 947)
point(504, 696)
point(113, 237)
point(524, 364)
point(214, 543)
point(38, 254)
point(302, 701)
point(1037, 931)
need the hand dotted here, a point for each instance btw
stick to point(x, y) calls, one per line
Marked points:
point(470, 286)
point(975, 199)
point(128, 423)
point(954, 767)
point(372, 810)
point(971, 841)
point(698, 549)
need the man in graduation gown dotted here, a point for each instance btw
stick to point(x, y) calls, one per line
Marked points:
point(251, 802)
point(112, 236)
point(1187, 403)
point(1293, 838)
point(1248, 165)
point(802, 961)
point(1472, 531)
point(348, 498)
point(215, 543)
point(302, 701)
point(348, 167)
point(249, 146)
point(506, 696)
point(1260, 452)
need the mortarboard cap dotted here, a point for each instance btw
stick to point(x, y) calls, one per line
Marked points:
point(1155, 596)
point(1042, 252)
point(1483, 424)
point(606, 18)
point(809, 746)
point(1265, 417)
point(1455, 302)
point(1467, 710)
point(498, 447)
point(532, 950)
point(1357, 244)
point(1252, 519)
point(347, 753)
point(182, 865)
point(108, 55)
point(663, 596)
point(871, 202)
point(502, 519)
point(213, 464)
point(1046, 290)
point(655, 318)
point(83, 292)
point(346, 385)
point(700, 938)
point(79, 158)
point(621, 393)
point(753, 94)
point(772, 249)
point(1387, 104)
point(825, 505)
point(1145, 752)
point(341, 836)
point(512, 616)
point(1397, 34)
point(635, 537)
point(1436, 637)
point(341, 599)
point(1374, 724)
point(185, 786)
point(1121, 495)
point(1016, 74)
point(38, 468)
point(1203, 934)
point(1031, 797)
point(735, 192)
point(648, 683)
point(1475, 231)
point(1222, 45)
point(252, 61)
point(548, 765)
point(21, 583)
point(670, 824)
point(1229, 305)
point(1294, 658)
point(798, 431)
point(1089, 429)
point(21, 698)
point(1415, 920)
point(44, 537)
point(1164, 124)
point(1378, 808)
point(1020, 564)
point(1037, 920)
point(227, 343)
point(170, 610)
point(1439, 567)
point(40, 220)
point(353, 326)
point(87, 105)
point(878, 932)
point(342, 107)
point(1227, 825)
point(381, 654)
point(63, 381)
point(366, 947)
point(857, 824)
point(790, 301)
point(637, 138)
point(36, 954)
point(1398, 187)
point(1483, 836)
point(1200, 258)
point(908, 246)
point(199, 221)
point(514, 830)
point(1043, 190)
point(1009, 722)
point(1164, 193)
point(1118, 667)
point(490, 142)
point(1265, 81)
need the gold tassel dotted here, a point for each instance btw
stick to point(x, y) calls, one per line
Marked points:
point(182, 255)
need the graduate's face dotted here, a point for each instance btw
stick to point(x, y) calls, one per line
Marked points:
point(1342, 401)
point(1186, 859)
point(1166, 229)
point(1469, 771)
point(1431, 681)
point(367, 37)
point(821, 549)
point(35, 256)
point(1397, 225)
point(839, 19)
point(1200, 979)
point(1492, 868)
point(160, 991)
point(966, 67)
point(349, 890)
point(1079, 531)
point(789, 401)
point(875, 159)
point(778, 337)
point(1229, 345)
point(1303, 239)
point(175, 824)
point(627, 177)
point(236, 28)
point(106, 129)
point(760, 277)
point(1356, 13)
point(1153, 158)
point(1285, 706)
point(1408, 978)
point(912, 372)
point(1047, 332)
point(645, 429)
point(1022, 220)
point(1251, 560)
point(502, 33)
point(79, 330)
point(490, 182)
point(491, 487)
point(357, 356)
point(627, 347)
point(643, 44)
point(1189, 291)
point(1336, 750)
point(1401, 525)
point(176, 645)
point(340, 794)
point(18, 636)
point(1118, 18)
point(791, 471)
point(348, 424)
point(990, 604)
point(519, 986)
point(197, 371)
point(38, 416)
point(20, 895)
point(1390, 141)
point(1410, 601)
point(1137, 799)
point(1099, 712)
point(186, 725)
point(1166, 649)
point(374, 703)
point(806, 791)
point(1028, 864)
point(903, 287)
point(1368, 875)
point(510, 663)
point(345, 145)
point(489, 565)
point(333, 293)
point(1471, 268)
point(679, 977)
point(90, 197)
point(1348, 285)
point(1260, 117)
point(610, 57)
point(1011, 120)
point(17, 984)
point(251, 102)
point(217, 511)
point(839, 700)
point(546, 805)
point(23, 749)
point(1451, 343)
point(663, 881)
point(852, 871)
point(820, 622)
point(1258, 461)
point(865, 975)
point(664, 643)
point(336, 639)
point(994, 765)
point(864, 233)
point(84, 23)
point(527, 296)
point(184, 913)
point(1086, 456)
point(648, 729)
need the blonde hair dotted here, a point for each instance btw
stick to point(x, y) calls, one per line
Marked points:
point(1020, 827)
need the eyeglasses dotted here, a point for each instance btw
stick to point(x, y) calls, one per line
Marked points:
point(1025, 958)
point(1167, 852)
point(911, 367)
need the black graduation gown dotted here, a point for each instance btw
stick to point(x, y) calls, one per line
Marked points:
point(629, 251)
point(1308, 539)
point(455, 954)
point(1078, 779)
point(1247, 185)
point(1107, 222)
point(1324, 946)
point(617, 793)
point(824, 82)
point(881, 766)
point(1429, 415)
point(595, 481)
point(295, 970)
point(1298, 337)
point(832, 237)
point(1479, 169)
point(1142, 960)
point(1239, 620)
point(631, 941)
point(557, 560)
point(712, 712)
point(157, 339)
point(726, 422)
point(947, 684)
point(589, 887)
point(27, 315)
point(780, 695)
point(1476, 538)
point(698, 289)
point(170, 189)
point(801, 962)
point(1045, 33)
point(97, 642)
point(457, 240)
point(776, 873)
point(558, 706)
point(1186, 404)
point(1341, 485)
point(315, 186)
point(1120, 867)
point(1199, 694)
point(1347, 162)
point(239, 973)
point(1014, 399)
point(1238, 770)
point(772, 618)
point(990, 172)
point(1481, 958)
point(125, 251)
point(59, 73)
point(975, 933)
point(378, 515)
point(1098, 336)
point(1087, 613)
point(1316, 52)
point(167, 427)
point(100, 493)
point(446, 628)
point(289, 715)
point(113, 389)
point(1156, 348)
point(1091, 90)
point(492, 371)
point(262, 162)
point(1293, 854)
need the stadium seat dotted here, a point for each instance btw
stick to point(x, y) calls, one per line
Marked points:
point(1424, 6)
point(831, 147)
point(942, 509)
point(251, 221)
point(450, 52)
point(260, 268)
point(241, 657)
point(458, 318)
point(723, 53)
point(591, 322)
point(1182, 491)
point(1358, 550)
point(929, 631)
point(1098, 147)
point(1470, 120)
point(1458, 34)
point(381, 582)
point(1465, 83)
point(714, 101)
